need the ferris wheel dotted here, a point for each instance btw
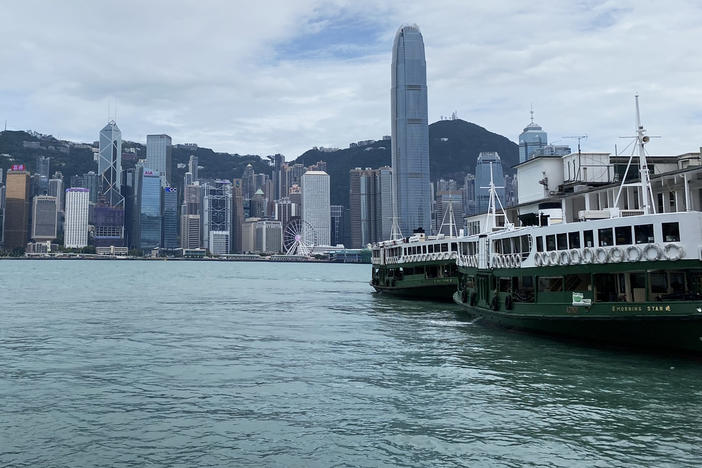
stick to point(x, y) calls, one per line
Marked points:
point(299, 237)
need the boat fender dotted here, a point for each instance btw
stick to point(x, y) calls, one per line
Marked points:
point(494, 305)
point(554, 258)
point(652, 252)
point(565, 258)
point(601, 255)
point(473, 298)
point(508, 302)
point(633, 253)
point(673, 252)
point(575, 257)
point(616, 254)
point(517, 259)
point(588, 255)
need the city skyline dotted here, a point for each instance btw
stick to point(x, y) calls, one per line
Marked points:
point(286, 81)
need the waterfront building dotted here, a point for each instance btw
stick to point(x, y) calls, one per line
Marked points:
point(488, 161)
point(16, 209)
point(2, 210)
point(190, 231)
point(531, 140)
point(258, 205)
point(248, 235)
point(248, 182)
point(88, 180)
point(337, 224)
point(42, 174)
point(44, 218)
point(159, 156)
point(237, 214)
point(285, 210)
point(410, 131)
point(110, 164)
point(295, 174)
point(56, 190)
point(169, 213)
point(269, 236)
point(370, 199)
point(316, 204)
point(109, 226)
point(216, 210)
point(149, 212)
point(219, 242)
point(278, 190)
point(75, 227)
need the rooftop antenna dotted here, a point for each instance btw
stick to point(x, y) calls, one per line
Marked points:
point(644, 182)
point(532, 113)
point(491, 217)
point(579, 138)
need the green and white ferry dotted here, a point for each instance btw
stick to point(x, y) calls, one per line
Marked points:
point(633, 279)
point(418, 266)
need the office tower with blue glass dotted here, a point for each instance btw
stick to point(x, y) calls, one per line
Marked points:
point(410, 132)
point(531, 140)
point(487, 162)
point(158, 156)
point(149, 202)
point(169, 231)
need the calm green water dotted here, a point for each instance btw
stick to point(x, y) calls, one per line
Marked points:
point(242, 364)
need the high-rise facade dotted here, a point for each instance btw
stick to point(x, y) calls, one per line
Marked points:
point(488, 161)
point(16, 209)
point(44, 218)
point(192, 167)
point(169, 236)
point(410, 131)
point(158, 156)
point(75, 235)
point(531, 140)
point(190, 237)
point(149, 197)
point(370, 199)
point(110, 164)
point(217, 215)
point(337, 224)
point(316, 204)
point(237, 215)
point(278, 190)
point(56, 190)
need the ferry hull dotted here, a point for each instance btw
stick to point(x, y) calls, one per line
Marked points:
point(430, 292)
point(676, 333)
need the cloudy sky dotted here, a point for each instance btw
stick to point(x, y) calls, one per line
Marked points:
point(283, 76)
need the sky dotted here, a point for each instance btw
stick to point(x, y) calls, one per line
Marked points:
point(283, 76)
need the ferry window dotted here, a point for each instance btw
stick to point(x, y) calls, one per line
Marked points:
point(658, 281)
point(671, 202)
point(525, 289)
point(671, 232)
point(424, 249)
point(623, 235)
point(408, 271)
point(470, 282)
point(525, 244)
point(606, 288)
point(605, 236)
point(660, 203)
point(551, 242)
point(554, 284)
point(677, 280)
point(574, 240)
point(444, 247)
point(505, 284)
point(562, 241)
point(431, 248)
point(506, 246)
point(579, 282)
point(454, 247)
point(643, 233)
point(588, 239)
point(539, 244)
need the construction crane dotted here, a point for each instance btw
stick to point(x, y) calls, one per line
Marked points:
point(579, 138)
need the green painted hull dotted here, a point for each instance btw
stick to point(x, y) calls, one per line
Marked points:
point(429, 292)
point(439, 287)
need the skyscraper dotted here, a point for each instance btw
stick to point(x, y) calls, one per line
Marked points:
point(278, 190)
point(16, 209)
point(110, 164)
point(75, 233)
point(149, 202)
point(56, 190)
point(169, 239)
point(337, 224)
point(488, 161)
point(192, 167)
point(531, 140)
point(217, 217)
point(44, 218)
point(410, 131)
point(316, 204)
point(158, 156)
point(237, 214)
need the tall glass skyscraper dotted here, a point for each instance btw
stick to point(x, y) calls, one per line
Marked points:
point(158, 156)
point(149, 209)
point(410, 132)
point(170, 219)
point(316, 207)
point(531, 140)
point(110, 164)
point(482, 180)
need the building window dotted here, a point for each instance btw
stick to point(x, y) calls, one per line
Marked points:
point(671, 232)
point(605, 237)
point(623, 235)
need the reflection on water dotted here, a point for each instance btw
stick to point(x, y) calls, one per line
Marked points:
point(227, 364)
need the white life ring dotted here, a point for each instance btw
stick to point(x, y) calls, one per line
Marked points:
point(616, 254)
point(588, 255)
point(633, 253)
point(652, 252)
point(517, 259)
point(564, 258)
point(546, 258)
point(538, 260)
point(575, 257)
point(674, 252)
point(553, 257)
point(601, 255)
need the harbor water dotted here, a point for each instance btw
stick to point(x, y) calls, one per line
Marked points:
point(163, 363)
